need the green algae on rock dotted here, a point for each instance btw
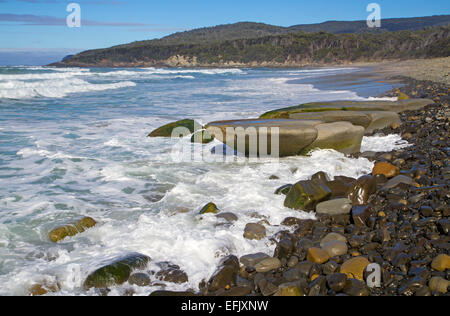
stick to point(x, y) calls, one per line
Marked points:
point(305, 195)
point(186, 127)
point(209, 208)
point(117, 272)
point(202, 137)
point(315, 107)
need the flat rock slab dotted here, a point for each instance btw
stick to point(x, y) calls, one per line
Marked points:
point(340, 136)
point(354, 117)
point(294, 135)
point(391, 106)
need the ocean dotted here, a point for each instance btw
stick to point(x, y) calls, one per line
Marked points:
point(73, 143)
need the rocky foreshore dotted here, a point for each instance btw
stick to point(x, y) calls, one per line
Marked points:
point(397, 217)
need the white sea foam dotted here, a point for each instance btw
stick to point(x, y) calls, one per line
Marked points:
point(383, 143)
point(102, 165)
point(15, 89)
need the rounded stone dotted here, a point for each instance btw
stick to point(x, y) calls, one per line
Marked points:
point(386, 169)
point(317, 255)
point(335, 248)
point(229, 217)
point(441, 263)
point(254, 232)
point(267, 265)
point(335, 207)
point(332, 237)
point(439, 285)
point(354, 268)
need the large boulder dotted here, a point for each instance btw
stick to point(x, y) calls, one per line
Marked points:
point(305, 195)
point(340, 136)
point(71, 230)
point(117, 272)
point(294, 135)
point(186, 127)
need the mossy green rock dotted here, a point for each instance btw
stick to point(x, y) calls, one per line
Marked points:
point(209, 208)
point(187, 127)
point(283, 190)
point(116, 273)
point(202, 137)
point(305, 195)
point(71, 230)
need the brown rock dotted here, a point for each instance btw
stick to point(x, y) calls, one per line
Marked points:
point(441, 263)
point(354, 268)
point(360, 192)
point(254, 231)
point(71, 230)
point(386, 169)
point(317, 255)
point(439, 285)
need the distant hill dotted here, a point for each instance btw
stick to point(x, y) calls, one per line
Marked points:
point(248, 44)
point(387, 25)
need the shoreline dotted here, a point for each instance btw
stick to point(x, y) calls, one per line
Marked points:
point(403, 227)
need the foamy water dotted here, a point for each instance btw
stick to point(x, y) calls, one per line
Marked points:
point(73, 143)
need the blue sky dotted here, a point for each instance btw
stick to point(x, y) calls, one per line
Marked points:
point(40, 24)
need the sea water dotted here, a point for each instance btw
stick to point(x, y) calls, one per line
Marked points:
point(73, 143)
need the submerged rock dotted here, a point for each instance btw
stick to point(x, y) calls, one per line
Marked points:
point(229, 217)
point(283, 190)
point(186, 127)
point(71, 230)
point(41, 289)
point(254, 231)
point(171, 273)
point(139, 279)
point(209, 208)
point(117, 272)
